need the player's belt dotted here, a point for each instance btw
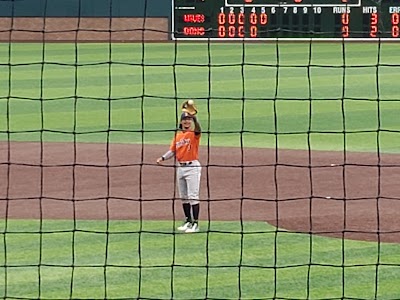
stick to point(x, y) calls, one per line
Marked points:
point(186, 163)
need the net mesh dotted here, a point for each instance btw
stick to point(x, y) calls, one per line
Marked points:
point(298, 193)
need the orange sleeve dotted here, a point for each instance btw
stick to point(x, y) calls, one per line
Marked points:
point(172, 146)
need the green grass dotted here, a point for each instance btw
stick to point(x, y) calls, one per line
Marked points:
point(186, 266)
point(324, 95)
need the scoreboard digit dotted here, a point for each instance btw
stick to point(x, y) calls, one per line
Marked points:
point(290, 20)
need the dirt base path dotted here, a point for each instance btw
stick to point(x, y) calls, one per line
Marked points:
point(289, 189)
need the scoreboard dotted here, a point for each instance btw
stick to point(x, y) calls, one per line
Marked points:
point(360, 20)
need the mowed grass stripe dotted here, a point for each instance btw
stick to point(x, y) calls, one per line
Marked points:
point(295, 81)
point(323, 125)
point(292, 270)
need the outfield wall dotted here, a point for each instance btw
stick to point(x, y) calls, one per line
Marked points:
point(86, 8)
point(85, 20)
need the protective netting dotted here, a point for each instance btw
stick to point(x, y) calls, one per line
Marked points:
point(299, 195)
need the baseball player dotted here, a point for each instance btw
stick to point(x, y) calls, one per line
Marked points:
point(185, 147)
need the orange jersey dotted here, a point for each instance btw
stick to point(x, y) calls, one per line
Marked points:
point(185, 144)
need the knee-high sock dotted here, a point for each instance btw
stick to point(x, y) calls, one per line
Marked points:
point(186, 210)
point(196, 211)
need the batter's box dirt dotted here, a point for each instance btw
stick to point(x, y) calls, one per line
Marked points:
point(353, 196)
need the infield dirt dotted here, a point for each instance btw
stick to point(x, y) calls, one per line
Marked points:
point(286, 188)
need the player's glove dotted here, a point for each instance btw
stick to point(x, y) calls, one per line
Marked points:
point(189, 107)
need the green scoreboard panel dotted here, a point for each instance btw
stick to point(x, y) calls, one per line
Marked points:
point(290, 19)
